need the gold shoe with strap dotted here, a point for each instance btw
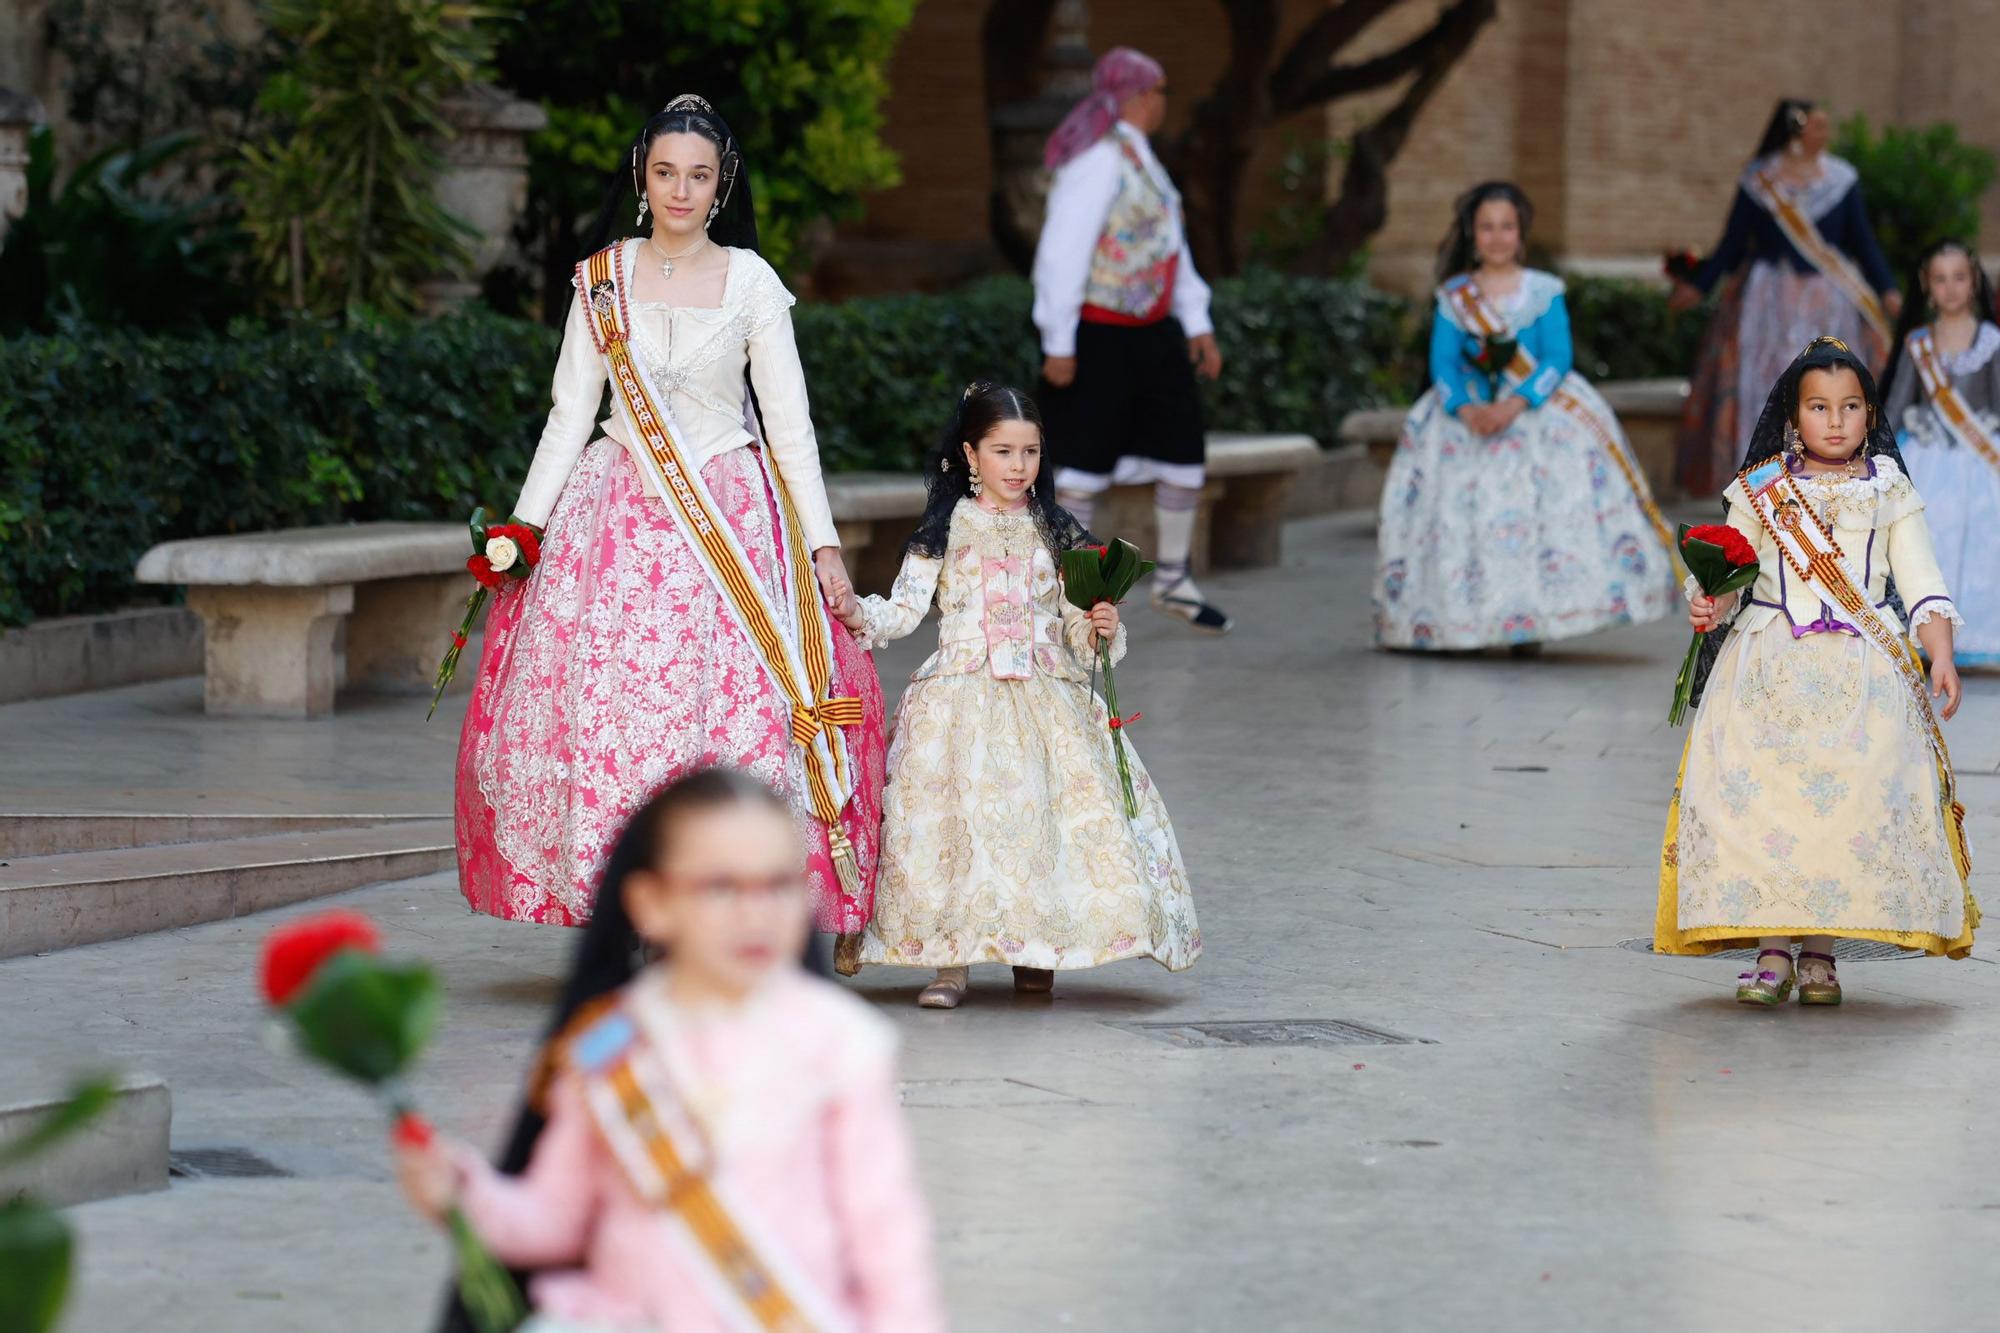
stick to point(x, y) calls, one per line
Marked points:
point(1761, 986)
point(1813, 987)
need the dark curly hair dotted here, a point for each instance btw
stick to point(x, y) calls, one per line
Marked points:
point(947, 480)
point(1459, 252)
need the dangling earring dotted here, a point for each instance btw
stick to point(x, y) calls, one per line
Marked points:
point(974, 482)
point(713, 209)
point(640, 221)
point(1794, 442)
point(1031, 490)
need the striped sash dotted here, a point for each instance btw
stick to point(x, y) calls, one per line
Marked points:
point(799, 664)
point(1804, 235)
point(1958, 419)
point(755, 1286)
point(1808, 546)
point(1478, 316)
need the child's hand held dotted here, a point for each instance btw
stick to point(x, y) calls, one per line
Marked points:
point(427, 1173)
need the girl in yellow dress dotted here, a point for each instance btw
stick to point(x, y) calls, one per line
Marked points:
point(1817, 800)
point(1004, 833)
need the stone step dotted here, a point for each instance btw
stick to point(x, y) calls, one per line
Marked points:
point(123, 1151)
point(61, 901)
point(52, 835)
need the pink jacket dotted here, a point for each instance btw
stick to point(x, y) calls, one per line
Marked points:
point(795, 1095)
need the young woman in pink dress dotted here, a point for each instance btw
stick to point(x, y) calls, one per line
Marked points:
point(678, 616)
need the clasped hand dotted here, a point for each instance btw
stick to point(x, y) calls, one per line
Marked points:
point(1492, 418)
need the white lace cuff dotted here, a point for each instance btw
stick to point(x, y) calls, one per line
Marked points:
point(1931, 608)
point(1691, 589)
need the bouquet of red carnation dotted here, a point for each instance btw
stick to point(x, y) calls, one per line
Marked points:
point(1721, 560)
point(368, 1019)
point(1680, 265)
point(1093, 574)
point(500, 551)
point(1495, 354)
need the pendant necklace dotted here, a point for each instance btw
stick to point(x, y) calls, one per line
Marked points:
point(667, 260)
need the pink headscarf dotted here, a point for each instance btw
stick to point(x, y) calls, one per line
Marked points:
point(1121, 73)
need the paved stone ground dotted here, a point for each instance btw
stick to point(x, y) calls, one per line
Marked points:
point(1450, 849)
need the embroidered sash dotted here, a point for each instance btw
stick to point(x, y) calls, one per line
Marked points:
point(1478, 316)
point(756, 1287)
point(1958, 419)
point(801, 664)
point(1808, 546)
point(1804, 235)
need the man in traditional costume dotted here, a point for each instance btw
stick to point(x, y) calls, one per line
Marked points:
point(1124, 322)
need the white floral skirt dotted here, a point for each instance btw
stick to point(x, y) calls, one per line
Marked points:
point(1004, 836)
point(1809, 805)
point(1530, 535)
point(1961, 493)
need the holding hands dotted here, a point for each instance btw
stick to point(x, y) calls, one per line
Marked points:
point(1492, 418)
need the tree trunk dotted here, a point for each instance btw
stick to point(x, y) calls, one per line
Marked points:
point(1211, 155)
point(1363, 205)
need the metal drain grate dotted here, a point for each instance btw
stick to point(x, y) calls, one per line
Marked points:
point(222, 1164)
point(1847, 951)
point(1273, 1032)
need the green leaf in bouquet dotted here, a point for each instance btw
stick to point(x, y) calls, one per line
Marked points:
point(1741, 579)
point(365, 1017)
point(1125, 567)
point(36, 1253)
point(479, 531)
point(1083, 577)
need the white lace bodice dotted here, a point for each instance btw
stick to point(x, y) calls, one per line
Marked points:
point(694, 360)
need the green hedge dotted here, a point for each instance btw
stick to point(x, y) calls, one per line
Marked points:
point(113, 441)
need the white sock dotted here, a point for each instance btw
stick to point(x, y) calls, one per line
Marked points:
point(1174, 511)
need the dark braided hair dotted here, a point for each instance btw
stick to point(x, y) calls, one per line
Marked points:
point(947, 479)
point(1788, 122)
point(735, 223)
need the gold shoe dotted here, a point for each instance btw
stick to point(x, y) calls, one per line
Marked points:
point(1824, 990)
point(1034, 980)
point(945, 991)
point(1762, 986)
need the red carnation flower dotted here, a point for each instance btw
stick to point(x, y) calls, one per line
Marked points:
point(294, 953)
point(413, 1131)
point(522, 536)
point(1736, 548)
point(482, 569)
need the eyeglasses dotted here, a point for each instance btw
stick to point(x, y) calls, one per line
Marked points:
point(724, 888)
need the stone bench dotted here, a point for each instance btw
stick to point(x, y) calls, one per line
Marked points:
point(1649, 410)
point(1240, 524)
point(290, 617)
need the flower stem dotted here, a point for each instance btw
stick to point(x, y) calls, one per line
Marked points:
point(1117, 733)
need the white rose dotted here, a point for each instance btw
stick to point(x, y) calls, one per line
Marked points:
point(501, 553)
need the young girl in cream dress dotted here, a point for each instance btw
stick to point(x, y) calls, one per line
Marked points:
point(1004, 837)
point(1817, 801)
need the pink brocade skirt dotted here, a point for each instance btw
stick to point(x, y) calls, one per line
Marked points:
point(616, 668)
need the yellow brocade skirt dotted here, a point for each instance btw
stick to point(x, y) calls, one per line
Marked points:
point(1810, 802)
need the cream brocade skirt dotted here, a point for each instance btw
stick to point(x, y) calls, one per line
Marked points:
point(1005, 840)
point(1809, 804)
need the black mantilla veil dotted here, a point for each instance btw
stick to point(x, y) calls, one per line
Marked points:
point(611, 953)
point(1768, 441)
point(983, 405)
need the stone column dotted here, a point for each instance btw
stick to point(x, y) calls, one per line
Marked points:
point(19, 115)
point(1021, 129)
point(485, 182)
